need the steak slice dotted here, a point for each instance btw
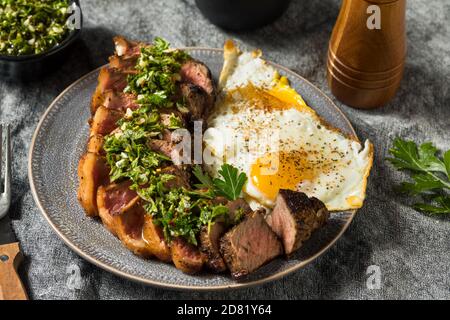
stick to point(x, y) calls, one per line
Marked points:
point(180, 179)
point(93, 172)
point(111, 201)
point(197, 100)
point(104, 121)
point(154, 238)
point(238, 208)
point(249, 245)
point(119, 101)
point(108, 79)
point(127, 48)
point(186, 257)
point(129, 224)
point(210, 246)
point(210, 239)
point(197, 73)
point(95, 144)
point(295, 217)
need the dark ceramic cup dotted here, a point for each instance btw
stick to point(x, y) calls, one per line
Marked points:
point(240, 15)
point(30, 67)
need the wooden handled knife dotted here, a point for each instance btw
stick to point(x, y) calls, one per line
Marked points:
point(11, 287)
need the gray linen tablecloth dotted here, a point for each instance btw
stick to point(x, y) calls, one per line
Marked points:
point(411, 249)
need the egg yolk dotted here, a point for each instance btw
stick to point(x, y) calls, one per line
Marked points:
point(285, 93)
point(279, 97)
point(280, 170)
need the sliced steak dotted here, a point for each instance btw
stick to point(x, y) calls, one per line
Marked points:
point(210, 238)
point(168, 144)
point(186, 257)
point(154, 238)
point(105, 121)
point(197, 73)
point(210, 246)
point(129, 225)
point(197, 100)
point(95, 144)
point(127, 48)
point(120, 101)
point(249, 245)
point(109, 79)
point(93, 172)
point(165, 148)
point(181, 177)
point(112, 79)
point(295, 217)
point(111, 201)
point(238, 208)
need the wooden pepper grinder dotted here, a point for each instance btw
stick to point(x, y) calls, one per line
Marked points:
point(367, 51)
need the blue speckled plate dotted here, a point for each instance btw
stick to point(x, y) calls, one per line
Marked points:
point(58, 143)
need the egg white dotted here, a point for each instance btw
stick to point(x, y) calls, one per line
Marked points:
point(240, 133)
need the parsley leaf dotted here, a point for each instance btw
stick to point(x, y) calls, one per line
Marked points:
point(231, 184)
point(430, 173)
point(442, 207)
point(205, 179)
point(447, 162)
point(423, 158)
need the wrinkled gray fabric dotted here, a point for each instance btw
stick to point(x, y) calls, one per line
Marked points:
point(411, 249)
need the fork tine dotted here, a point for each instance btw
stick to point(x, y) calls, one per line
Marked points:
point(7, 180)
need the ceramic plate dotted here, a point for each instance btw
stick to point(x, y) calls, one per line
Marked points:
point(60, 140)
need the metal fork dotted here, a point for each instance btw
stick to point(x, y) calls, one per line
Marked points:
point(5, 197)
point(11, 287)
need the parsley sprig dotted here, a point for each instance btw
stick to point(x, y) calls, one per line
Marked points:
point(430, 174)
point(229, 184)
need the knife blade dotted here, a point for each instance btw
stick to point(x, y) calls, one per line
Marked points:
point(6, 232)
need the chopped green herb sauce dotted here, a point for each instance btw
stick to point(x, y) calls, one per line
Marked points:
point(178, 211)
point(158, 68)
point(32, 26)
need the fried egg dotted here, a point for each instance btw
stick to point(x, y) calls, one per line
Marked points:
point(262, 126)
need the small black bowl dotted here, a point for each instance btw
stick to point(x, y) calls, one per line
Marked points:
point(29, 67)
point(241, 15)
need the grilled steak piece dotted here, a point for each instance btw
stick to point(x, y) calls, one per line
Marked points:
point(196, 98)
point(210, 240)
point(238, 208)
point(127, 48)
point(154, 238)
point(181, 177)
point(93, 172)
point(249, 245)
point(185, 256)
point(167, 148)
point(111, 200)
point(197, 73)
point(126, 55)
point(105, 121)
point(129, 224)
point(95, 144)
point(295, 217)
point(109, 79)
point(209, 245)
point(119, 101)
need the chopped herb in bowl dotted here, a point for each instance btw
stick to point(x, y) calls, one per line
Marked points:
point(30, 27)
